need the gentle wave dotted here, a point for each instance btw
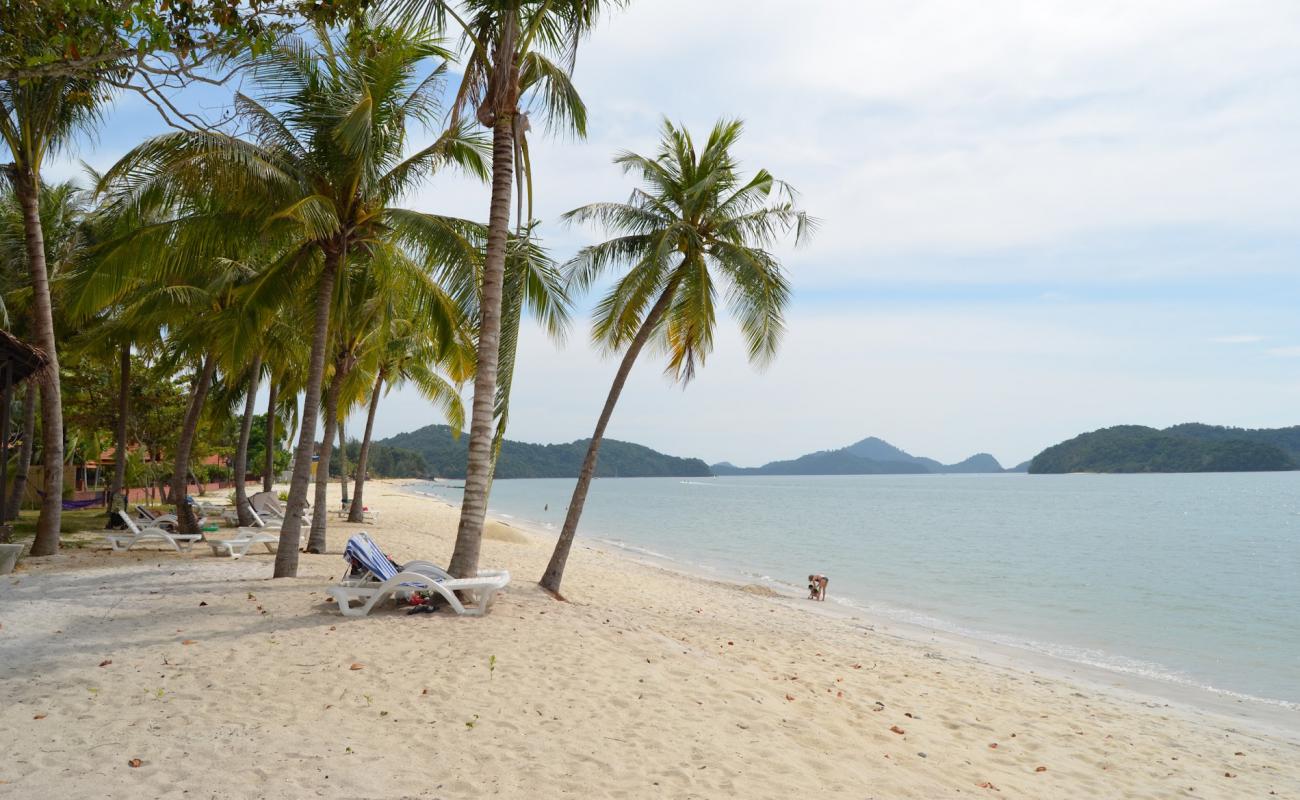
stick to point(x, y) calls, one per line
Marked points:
point(631, 548)
point(1048, 567)
point(1087, 657)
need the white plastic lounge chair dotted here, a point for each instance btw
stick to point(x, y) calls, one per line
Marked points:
point(373, 578)
point(248, 538)
point(267, 504)
point(262, 522)
point(121, 542)
point(369, 516)
point(239, 546)
point(147, 519)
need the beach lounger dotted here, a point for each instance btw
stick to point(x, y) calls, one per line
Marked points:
point(373, 578)
point(263, 504)
point(121, 542)
point(247, 538)
point(239, 546)
point(369, 516)
point(267, 504)
point(147, 519)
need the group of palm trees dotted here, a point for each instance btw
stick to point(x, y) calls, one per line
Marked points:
point(279, 251)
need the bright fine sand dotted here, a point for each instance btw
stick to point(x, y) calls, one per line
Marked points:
point(226, 684)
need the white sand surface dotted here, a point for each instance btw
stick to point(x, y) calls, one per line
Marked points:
point(227, 684)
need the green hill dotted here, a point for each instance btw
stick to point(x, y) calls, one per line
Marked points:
point(445, 457)
point(1285, 439)
point(1183, 448)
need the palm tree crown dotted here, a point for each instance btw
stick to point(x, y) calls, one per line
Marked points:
point(694, 222)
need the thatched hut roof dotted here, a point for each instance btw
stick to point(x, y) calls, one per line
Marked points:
point(23, 359)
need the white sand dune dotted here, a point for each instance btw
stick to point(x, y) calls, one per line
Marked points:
point(226, 684)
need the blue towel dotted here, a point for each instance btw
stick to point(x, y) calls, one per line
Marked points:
point(361, 549)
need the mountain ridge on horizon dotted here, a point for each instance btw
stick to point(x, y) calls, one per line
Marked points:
point(444, 454)
point(869, 456)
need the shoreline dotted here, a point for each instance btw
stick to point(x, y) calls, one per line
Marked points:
point(152, 673)
point(1268, 717)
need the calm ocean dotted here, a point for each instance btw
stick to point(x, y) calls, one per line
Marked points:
point(1191, 579)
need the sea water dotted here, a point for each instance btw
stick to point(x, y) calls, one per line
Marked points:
point(1189, 579)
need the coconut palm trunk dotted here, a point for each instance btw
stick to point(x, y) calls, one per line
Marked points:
point(363, 455)
point(118, 489)
point(316, 541)
point(286, 556)
point(268, 469)
point(241, 450)
point(27, 186)
point(185, 443)
point(559, 557)
point(343, 463)
point(478, 465)
point(24, 452)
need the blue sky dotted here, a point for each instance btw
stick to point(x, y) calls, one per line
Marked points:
point(1038, 219)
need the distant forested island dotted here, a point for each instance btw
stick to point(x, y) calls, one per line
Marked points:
point(1190, 447)
point(443, 455)
point(871, 456)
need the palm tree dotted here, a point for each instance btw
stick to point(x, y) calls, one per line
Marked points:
point(316, 185)
point(409, 352)
point(694, 223)
point(203, 312)
point(268, 467)
point(521, 56)
point(251, 382)
point(39, 117)
point(389, 283)
point(533, 281)
point(62, 215)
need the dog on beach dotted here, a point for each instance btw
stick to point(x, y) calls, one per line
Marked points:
point(817, 587)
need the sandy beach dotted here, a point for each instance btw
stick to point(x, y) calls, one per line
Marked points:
point(648, 683)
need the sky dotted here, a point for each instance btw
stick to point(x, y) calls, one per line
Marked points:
point(1037, 219)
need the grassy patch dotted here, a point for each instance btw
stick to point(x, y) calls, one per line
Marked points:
point(89, 519)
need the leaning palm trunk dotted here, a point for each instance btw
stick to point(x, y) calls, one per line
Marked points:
point(241, 451)
point(559, 557)
point(343, 463)
point(286, 556)
point(24, 452)
point(118, 489)
point(268, 469)
point(478, 465)
point(27, 186)
point(363, 455)
point(185, 443)
point(316, 541)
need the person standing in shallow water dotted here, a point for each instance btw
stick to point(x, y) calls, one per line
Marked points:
point(817, 587)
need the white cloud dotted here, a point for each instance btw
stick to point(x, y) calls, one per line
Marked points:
point(1128, 168)
point(932, 129)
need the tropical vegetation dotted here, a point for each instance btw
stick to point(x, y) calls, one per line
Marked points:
point(221, 300)
point(441, 451)
point(1181, 448)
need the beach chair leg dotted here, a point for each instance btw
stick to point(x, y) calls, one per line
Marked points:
point(450, 597)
